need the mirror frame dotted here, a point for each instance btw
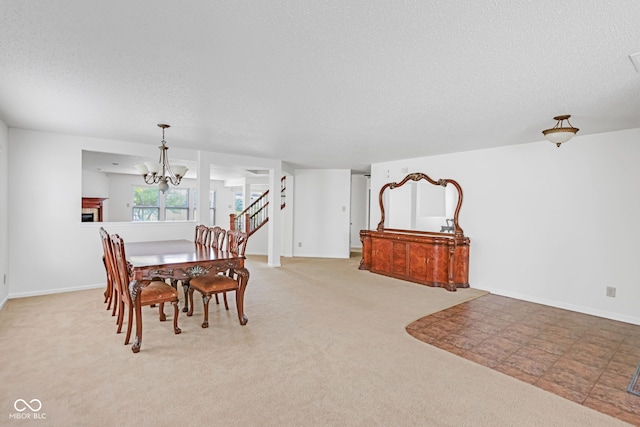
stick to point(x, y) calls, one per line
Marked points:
point(417, 176)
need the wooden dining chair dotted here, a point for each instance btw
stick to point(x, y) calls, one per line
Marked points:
point(221, 282)
point(236, 242)
point(155, 292)
point(110, 293)
point(201, 237)
point(202, 234)
point(217, 237)
point(213, 284)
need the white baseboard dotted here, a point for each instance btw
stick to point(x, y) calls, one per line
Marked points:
point(54, 291)
point(552, 303)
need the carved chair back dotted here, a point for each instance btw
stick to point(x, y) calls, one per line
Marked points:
point(236, 242)
point(121, 268)
point(202, 234)
point(217, 237)
point(107, 259)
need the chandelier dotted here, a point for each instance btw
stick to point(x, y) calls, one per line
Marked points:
point(162, 173)
point(560, 134)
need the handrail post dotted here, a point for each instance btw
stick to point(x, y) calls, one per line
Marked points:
point(232, 221)
point(283, 187)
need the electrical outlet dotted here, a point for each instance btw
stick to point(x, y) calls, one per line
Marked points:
point(611, 291)
point(299, 244)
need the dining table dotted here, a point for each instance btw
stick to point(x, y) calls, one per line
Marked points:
point(177, 260)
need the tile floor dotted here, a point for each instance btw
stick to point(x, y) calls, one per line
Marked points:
point(587, 359)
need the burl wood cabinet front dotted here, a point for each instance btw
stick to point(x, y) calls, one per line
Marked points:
point(429, 260)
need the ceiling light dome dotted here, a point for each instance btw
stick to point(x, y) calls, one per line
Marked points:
point(560, 134)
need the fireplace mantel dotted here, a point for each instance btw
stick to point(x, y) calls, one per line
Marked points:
point(93, 205)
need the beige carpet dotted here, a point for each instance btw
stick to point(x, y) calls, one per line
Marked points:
point(325, 346)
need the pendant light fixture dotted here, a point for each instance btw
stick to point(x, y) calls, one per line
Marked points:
point(162, 173)
point(560, 133)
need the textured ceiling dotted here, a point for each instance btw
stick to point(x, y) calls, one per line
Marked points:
point(326, 84)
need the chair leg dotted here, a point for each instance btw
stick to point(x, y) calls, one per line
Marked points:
point(190, 292)
point(129, 325)
point(217, 301)
point(108, 296)
point(185, 289)
point(240, 305)
point(224, 296)
point(176, 310)
point(205, 303)
point(108, 292)
point(116, 301)
point(163, 317)
point(120, 319)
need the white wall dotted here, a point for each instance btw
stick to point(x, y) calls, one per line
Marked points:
point(46, 236)
point(225, 203)
point(322, 200)
point(4, 212)
point(95, 184)
point(548, 225)
point(359, 211)
point(286, 219)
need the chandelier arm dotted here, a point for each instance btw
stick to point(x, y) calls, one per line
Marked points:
point(151, 178)
point(166, 168)
point(174, 179)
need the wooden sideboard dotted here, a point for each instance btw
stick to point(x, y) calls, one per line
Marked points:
point(429, 258)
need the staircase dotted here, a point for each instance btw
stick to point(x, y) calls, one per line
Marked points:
point(256, 214)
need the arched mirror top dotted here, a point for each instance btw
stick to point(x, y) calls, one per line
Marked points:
point(432, 214)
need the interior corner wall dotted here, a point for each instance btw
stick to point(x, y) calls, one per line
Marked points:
point(4, 214)
point(549, 225)
point(287, 217)
point(359, 211)
point(46, 211)
point(322, 211)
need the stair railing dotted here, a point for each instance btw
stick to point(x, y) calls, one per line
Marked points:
point(256, 214)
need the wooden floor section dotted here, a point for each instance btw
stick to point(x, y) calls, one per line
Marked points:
point(587, 359)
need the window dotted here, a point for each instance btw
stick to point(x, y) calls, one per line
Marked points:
point(239, 203)
point(176, 204)
point(149, 204)
point(146, 204)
